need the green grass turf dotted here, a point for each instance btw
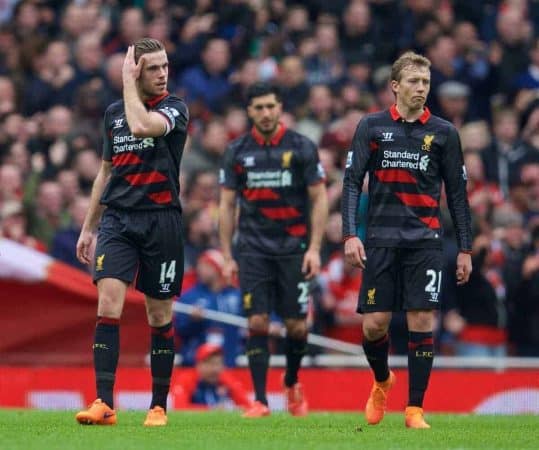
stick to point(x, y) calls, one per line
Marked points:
point(29, 430)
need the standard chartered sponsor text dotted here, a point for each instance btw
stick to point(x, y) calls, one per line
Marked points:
point(275, 178)
point(129, 143)
point(400, 160)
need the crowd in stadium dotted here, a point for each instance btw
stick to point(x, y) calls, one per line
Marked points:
point(61, 66)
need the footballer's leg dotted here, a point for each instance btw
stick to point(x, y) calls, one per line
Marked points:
point(160, 278)
point(106, 352)
point(256, 275)
point(376, 301)
point(159, 312)
point(292, 301)
point(296, 348)
point(422, 271)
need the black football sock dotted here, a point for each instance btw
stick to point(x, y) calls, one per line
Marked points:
point(295, 349)
point(106, 351)
point(258, 356)
point(162, 362)
point(420, 358)
point(377, 353)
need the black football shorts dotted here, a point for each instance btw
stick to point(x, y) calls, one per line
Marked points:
point(273, 284)
point(144, 244)
point(398, 279)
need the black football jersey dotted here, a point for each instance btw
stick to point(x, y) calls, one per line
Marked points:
point(406, 162)
point(145, 171)
point(271, 181)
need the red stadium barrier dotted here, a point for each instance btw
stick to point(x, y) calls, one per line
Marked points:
point(461, 391)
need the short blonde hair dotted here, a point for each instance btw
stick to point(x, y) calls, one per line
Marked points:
point(406, 60)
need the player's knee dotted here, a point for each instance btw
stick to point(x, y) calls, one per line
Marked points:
point(420, 320)
point(259, 324)
point(374, 329)
point(109, 305)
point(297, 330)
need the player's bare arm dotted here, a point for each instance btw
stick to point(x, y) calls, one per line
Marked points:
point(319, 214)
point(227, 218)
point(144, 79)
point(94, 213)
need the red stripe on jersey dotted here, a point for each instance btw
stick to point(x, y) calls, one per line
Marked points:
point(125, 159)
point(373, 145)
point(161, 197)
point(137, 179)
point(280, 213)
point(417, 199)
point(260, 194)
point(431, 222)
point(297, 230)
point(395, 176)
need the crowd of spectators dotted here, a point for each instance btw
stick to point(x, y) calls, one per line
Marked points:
point(60, 67)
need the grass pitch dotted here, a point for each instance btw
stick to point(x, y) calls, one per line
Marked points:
point(31, 429)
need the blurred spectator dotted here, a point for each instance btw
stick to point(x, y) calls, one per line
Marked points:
point(248, 72)
point(295, 90)
point(206, 86)
point(478, 318)
point(45, 213)
point(500, 157)
point(529, 79)
point(200, 235)
point(514, 33)
point(453, 101)
point(210, 386)
point(131, 27)
point(202, 190)
point(327, 65)
point(341, 283)
point(11, 182)
point(210, 292)
point(13, 225)
point(64, 241)
point(482, 195)
point(525, 335)
point(53, 82)
point(207, 153)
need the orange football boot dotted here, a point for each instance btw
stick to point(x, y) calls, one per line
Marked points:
point(98, 413)
point(413, 417)
point(156, 417)
point(376, 405)
point(295, 400)
point(257, 409)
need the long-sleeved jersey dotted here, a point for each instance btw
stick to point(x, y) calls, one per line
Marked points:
point(272, 181)
point(406, 162)
point(145, 171)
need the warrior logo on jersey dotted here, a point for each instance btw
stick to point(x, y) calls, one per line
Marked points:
point(427, 142)
point(286, 159)
point(249, 161)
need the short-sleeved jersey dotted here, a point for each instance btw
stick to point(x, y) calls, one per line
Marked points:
point(145, 171)
point(271, 182)
point(406, 162)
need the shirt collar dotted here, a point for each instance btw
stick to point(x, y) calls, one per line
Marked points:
point(151, 102)
point(275, 139)
point(395, 115)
